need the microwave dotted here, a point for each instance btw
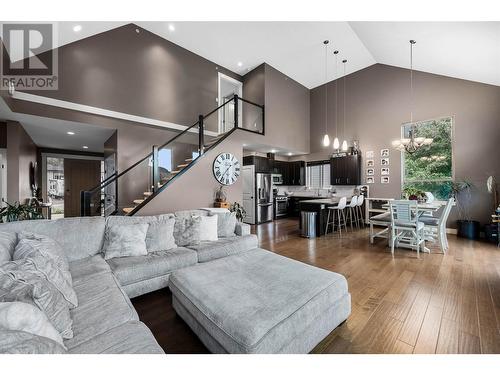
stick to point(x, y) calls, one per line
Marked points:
point(277, 179)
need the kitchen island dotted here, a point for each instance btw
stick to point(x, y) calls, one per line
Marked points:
point(320, 206)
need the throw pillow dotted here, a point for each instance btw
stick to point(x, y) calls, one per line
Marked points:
point(125, 241)
point(187, 230)
point(19, 316)
point(208, 228)
point(160, 235)
point(226, 224)
point(25, 287)
point(37, 244)
point(8, 242)
point(19, 342)
point(38, 266)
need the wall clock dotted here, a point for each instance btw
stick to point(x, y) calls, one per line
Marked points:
point(226, 168)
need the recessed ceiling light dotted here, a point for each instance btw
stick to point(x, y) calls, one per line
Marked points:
point(85, 147)
point(240, 63)
point(273, 151)
point(290, 154)
point(70, 133)
point(77, 28)
point(171, 27)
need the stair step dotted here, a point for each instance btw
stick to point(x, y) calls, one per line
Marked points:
point(182, 165)
point(175, 172)
point(138, 201)
point(189, 160)
point(128, 210)
point(148, 193)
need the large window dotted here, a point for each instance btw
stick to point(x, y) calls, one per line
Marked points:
point(318, 174)
point(430, 168)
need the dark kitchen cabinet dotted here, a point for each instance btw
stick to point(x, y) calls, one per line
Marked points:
point(262, 164)
point(297, 172)
point(292, 172)
point(345, 170)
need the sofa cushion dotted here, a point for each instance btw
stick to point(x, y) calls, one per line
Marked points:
point(258, 301)
point(125, 240)
point(131, 270)
point(160, 235)
point(83, 269)
point(226, 224)
point(224, 247)
point(208, 228)
point(187, 230)
point(20, 316)
point(191, 213)
point(79, 237)
point(129, 338)
point(20, 342)
point(8, 241)
point(103, 305)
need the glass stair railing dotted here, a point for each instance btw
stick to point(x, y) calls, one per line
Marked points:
point(126, 192)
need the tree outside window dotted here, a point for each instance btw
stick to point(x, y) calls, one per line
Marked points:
point(430, 168)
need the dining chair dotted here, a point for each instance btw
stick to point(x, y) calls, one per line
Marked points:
point(435, 228)
point(359, 209)
point(352, 211)
point(405, 225)
point(337, 211)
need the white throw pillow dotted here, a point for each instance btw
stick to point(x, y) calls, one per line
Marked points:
point(208, 228)
point(8, 242)
point(125, 241)
point(19, 316)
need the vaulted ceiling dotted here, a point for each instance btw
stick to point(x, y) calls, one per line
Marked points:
point(466, 50)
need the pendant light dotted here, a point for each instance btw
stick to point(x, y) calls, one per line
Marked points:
point(336, 143)
point(326, 137)
point(344, 143)
point(412, 143)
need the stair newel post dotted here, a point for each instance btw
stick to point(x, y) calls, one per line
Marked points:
point(156, 169)
point(236, 110)
point(201, 131)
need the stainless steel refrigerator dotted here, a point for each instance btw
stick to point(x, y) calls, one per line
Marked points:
point(264, 193)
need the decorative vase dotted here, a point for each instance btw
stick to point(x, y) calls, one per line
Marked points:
point(220, 195)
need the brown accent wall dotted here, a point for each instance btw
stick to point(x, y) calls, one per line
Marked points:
point(21, 152)
point(377, 105)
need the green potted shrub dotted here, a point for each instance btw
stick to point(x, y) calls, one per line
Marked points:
point(18, 212)
point(466, 227)
point(239, 210)
point(412, 193)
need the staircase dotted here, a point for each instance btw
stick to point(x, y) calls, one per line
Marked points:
point(153, 173)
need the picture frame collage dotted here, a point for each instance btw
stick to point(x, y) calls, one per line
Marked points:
point(384, 166)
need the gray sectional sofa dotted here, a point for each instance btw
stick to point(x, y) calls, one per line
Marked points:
point(104, 320)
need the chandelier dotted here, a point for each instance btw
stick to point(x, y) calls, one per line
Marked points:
point(412, 143)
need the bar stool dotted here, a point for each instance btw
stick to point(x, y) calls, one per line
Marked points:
point(352, 211)
point(338, 211)
point(359, 209)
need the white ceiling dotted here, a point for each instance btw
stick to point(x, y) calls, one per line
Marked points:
point(52, 133)
point(467, 50)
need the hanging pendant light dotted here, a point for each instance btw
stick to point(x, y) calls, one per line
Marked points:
point(336, 143)
point(326, 137)
point(344, 142)
point(412, 143)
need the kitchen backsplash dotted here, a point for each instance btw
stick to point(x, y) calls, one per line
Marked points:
point(304, 190)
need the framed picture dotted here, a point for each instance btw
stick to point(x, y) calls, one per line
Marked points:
point(370, 154)
point(384, 179)
point(370, 180)
point(384, 171)
point(384, 161)
point(370, 171)
point(370, 163)
point(384, 152)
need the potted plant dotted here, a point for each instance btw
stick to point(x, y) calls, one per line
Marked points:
point(18, 211)
point(412, 193)
point(462, 192)
point(239, 210)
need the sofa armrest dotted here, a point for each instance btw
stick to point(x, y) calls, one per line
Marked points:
point(242, 229)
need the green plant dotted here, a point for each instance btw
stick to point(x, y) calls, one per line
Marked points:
point(239, 210)
point(412, 192)
point(462, 192)
point(18, 212)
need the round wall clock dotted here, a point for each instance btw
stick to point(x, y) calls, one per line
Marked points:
point(226, 168)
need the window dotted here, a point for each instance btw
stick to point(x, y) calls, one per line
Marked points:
point(430, 168)
point(318, 174)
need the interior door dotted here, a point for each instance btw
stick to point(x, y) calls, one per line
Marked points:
point(80, 174)
point(248, 175)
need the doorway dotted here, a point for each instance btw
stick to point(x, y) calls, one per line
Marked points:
point(228, 87)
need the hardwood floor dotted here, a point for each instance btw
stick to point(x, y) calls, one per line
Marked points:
point(435, 304)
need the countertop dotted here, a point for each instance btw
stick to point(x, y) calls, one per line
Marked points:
point(328, 201)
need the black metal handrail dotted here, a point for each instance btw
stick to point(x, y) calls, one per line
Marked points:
point(86, 195)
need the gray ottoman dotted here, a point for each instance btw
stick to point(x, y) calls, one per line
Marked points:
point(260, 302)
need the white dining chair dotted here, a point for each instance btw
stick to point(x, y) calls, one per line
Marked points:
point(435, 227)
point(405, 225)
point(359, 210)
point(337, 211)
point(352, 211)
